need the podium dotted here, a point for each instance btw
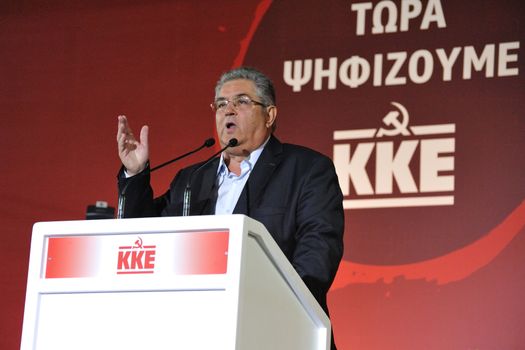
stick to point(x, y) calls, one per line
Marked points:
point(197, 282)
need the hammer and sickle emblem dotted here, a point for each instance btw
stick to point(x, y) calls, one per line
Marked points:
point(391, 119)
point(138, 243)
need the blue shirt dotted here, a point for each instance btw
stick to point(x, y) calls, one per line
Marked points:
point(230, 185)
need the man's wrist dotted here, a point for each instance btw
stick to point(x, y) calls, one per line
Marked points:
point(128, 173)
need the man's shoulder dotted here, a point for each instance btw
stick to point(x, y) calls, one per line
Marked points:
point(300, 151)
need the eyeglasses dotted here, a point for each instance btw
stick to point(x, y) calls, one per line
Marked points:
point(240, 103)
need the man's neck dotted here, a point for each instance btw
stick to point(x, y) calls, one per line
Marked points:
point(234, 163)
point(234, 160)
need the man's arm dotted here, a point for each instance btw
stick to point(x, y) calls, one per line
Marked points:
point(137, 194)
point(134, 176)
point(320, 228)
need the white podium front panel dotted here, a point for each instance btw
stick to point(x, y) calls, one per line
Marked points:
point(203, 282)
point(132, 320)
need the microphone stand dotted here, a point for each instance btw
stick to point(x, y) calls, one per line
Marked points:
point(186, 202)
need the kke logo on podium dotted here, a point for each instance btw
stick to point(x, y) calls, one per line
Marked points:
point(136, 259)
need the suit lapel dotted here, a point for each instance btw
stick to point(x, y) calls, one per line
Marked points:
point(206, 190)
point(269, 160)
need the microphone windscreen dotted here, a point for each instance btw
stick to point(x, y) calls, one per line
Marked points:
point(209, 142)
point(233, 142)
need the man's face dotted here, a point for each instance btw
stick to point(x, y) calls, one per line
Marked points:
point(250, 124)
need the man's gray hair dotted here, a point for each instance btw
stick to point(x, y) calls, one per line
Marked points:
point(263, 84)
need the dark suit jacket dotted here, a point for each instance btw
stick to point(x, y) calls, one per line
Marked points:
point(292, 190)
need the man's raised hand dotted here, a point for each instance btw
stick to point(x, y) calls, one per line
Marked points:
point(133, 154)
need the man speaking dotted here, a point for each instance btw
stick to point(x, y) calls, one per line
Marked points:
point(290, 189)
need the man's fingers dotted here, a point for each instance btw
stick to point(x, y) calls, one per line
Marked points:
point(128, 146)
point(122, 122)
point(122, 119)
point(122, 126)
point(124, 132)
point(144, 135)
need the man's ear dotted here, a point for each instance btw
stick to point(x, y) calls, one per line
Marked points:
point(271, 116)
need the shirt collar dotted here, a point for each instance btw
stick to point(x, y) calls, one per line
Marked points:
point(250, 160)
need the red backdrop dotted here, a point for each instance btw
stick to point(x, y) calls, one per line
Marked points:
point(414, 276)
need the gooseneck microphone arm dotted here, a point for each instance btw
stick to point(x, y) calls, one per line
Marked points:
point(122, 197)
point(208, 143)
point(186, 204)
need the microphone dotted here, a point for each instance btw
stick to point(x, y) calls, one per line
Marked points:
point(122, 198)
point(187, 191)
point(208, 143)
